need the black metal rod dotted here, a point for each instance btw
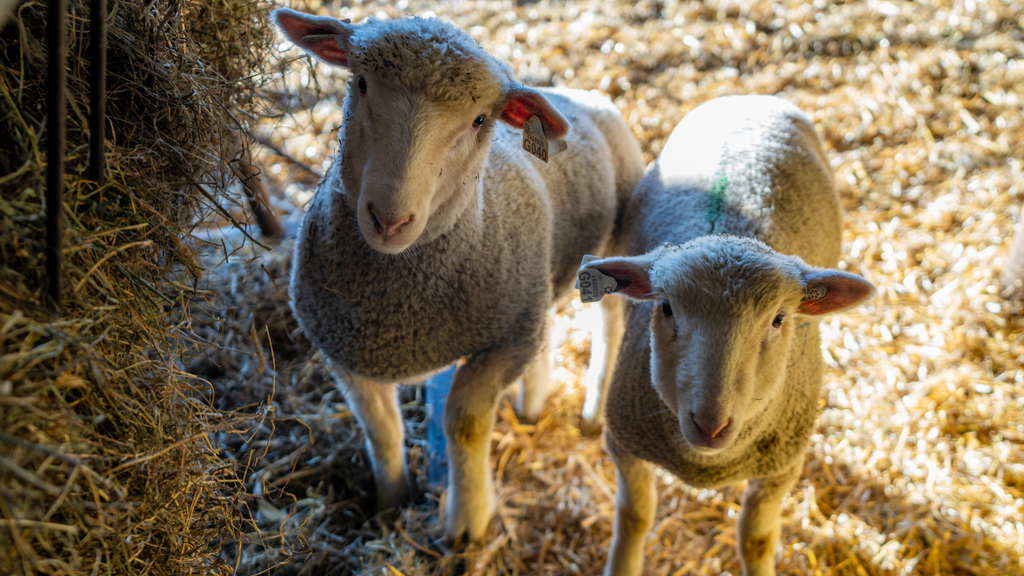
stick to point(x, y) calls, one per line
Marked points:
point(56, 50)
point(97, 88)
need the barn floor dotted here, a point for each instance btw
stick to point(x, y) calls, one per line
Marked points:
point(917, 465)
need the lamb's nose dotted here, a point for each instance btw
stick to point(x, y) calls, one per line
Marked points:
point(388, 227)
point(711, 428)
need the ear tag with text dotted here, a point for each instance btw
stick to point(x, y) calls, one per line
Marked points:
point(591, 283)
point(536, 143)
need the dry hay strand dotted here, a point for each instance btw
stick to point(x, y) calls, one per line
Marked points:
point(107, 464)
point(917, 465)
point(308, 484)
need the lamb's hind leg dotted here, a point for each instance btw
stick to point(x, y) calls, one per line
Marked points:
point(375, 405)
point(533, 388)
point(759, 522)
point(635, 504)
point(605, 339)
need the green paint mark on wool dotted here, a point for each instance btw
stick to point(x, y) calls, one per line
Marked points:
point(716, 202)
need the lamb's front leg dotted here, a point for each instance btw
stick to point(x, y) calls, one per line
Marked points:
point(759, 522)
point(375, 406)
point(635, 504)
point(468, 422)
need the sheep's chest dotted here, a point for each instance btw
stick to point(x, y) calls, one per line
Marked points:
point(657, 439)
point(398, 317)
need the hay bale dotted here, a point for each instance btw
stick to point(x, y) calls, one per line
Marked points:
point(106, 460)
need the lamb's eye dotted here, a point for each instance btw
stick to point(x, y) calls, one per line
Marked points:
point(666, 309)
point(479, 121)
point(361, 83)
point(777, 322)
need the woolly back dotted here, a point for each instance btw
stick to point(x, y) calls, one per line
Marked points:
point(746, 166)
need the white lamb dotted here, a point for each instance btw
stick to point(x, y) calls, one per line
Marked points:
point(734, 229)
point(434, 236)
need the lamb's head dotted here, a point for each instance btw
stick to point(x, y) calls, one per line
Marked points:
point(725, 326)
point(420, 109)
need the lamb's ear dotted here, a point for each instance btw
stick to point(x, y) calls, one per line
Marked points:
point(631, 275)
point(323, 37)
point(522, 103)
point(827, 291)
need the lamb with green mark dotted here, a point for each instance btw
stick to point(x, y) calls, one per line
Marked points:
point(720, 372)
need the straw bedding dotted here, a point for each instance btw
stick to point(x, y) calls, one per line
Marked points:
point(917, 464)
point(106, 460)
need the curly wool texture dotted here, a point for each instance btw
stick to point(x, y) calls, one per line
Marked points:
point(429, 56)
point(744, 270)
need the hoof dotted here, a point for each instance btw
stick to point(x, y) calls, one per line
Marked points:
point(472, 531)
point(388, 516)
point(530, 406)
point(528, 417)
point(395, 498)
point(467, 523)
point(591, 426)
point(464, 541)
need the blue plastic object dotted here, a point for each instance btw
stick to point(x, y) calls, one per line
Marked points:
point(438, 387)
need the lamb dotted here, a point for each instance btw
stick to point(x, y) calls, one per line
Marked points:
point(6, 10)
point(435, 237)
point(733, 236)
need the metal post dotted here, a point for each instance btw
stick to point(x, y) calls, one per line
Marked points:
point(56, 49)
point(438, 387)
point(97, 89)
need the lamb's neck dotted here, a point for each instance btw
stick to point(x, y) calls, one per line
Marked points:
point(463, 205)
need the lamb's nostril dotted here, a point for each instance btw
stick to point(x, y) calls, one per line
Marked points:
point(720, 428)
point(388, 227)
point(400, 222)
point(376, 219)
point(710, 428)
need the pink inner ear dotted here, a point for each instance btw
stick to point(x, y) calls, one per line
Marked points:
point(327, 49)
point(313, 35)
point(520, 109)
point(631, 280)
point(299, 27)
point(842, 293)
